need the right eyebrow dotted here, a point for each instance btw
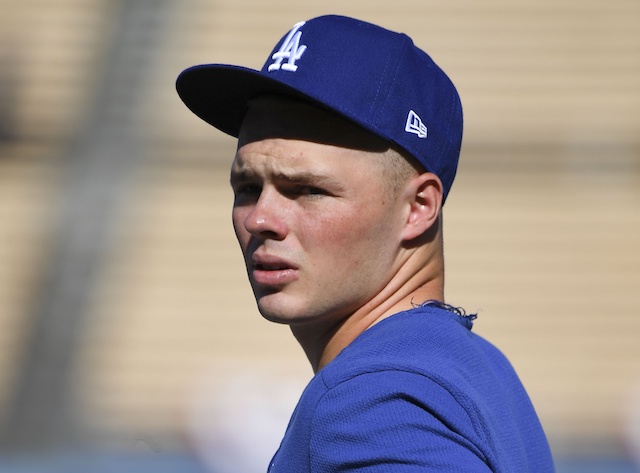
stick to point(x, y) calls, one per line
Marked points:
point(237, 177)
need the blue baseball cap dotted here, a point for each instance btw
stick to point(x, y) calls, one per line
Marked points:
point(372, 76)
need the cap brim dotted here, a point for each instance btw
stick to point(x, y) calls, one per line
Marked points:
point(219, 93)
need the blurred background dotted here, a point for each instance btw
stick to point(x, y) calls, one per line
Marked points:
point(129, 338)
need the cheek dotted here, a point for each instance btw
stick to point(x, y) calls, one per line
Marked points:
point(353, 235)
point(332, 228)
point(351, 258)
point(238, 216)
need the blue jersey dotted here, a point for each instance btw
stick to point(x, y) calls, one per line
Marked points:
point(417, 392)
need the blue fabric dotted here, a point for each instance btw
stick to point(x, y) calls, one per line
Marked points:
point(416, 392)
point(372, 76)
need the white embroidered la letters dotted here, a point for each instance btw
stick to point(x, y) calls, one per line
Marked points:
point(414, 125)
point(291, 50)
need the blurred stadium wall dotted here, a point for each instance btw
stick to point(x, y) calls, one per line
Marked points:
point(126, 322)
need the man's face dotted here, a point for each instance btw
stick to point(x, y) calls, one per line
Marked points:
point(317, 226)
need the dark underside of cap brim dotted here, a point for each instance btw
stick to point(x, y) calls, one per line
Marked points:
point(219, 93)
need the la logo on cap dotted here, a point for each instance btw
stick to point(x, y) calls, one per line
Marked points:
point(291, 50)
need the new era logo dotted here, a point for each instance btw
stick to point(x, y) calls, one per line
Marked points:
point(291, 50)
point(414, 125)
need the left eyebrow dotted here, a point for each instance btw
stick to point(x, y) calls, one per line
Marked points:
point(305, 177)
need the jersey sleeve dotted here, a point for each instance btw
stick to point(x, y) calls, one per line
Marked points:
point(394, 421)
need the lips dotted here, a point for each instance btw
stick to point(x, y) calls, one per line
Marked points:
point(269, 270)
point(271, 267)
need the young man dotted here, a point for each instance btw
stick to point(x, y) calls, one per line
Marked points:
point(348, 143)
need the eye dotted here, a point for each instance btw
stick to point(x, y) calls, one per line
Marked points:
point(246, 193)
point(248, 189)
point(305, 191)
point(310, 190)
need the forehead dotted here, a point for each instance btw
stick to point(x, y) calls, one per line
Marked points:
point(304, 161)
point(286, 118)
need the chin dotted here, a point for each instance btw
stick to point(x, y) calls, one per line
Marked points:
point(275, 311)
point(274, 317)
point(280, 311)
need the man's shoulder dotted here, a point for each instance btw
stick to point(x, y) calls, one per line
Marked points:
point(424, 341)
point(429, 355)
point(425, 374)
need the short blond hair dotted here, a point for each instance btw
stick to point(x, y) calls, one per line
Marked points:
point(396, 167)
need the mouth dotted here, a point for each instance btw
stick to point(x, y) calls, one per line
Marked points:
point(272, 271)
point(271, 266)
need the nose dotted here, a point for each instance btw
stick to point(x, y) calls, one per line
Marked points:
point(265, 220)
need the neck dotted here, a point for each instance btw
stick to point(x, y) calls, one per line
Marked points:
point(415, 282)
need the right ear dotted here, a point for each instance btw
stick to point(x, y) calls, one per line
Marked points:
point(423, 196)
